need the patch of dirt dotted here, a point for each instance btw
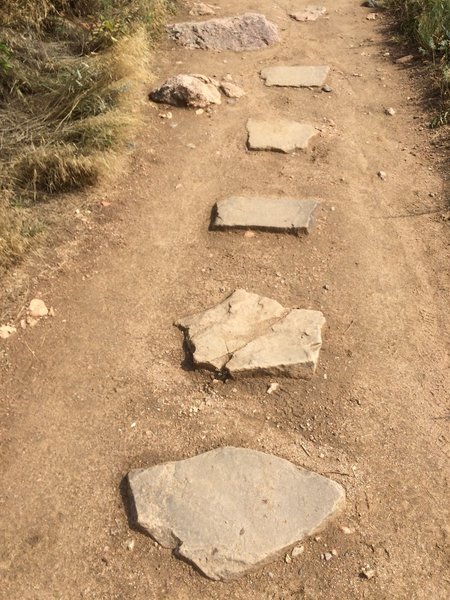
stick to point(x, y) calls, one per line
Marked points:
point(99, 389)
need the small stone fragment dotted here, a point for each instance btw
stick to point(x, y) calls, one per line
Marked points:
point(405, 59)
point(310, 13)
point(327, 556)
point(280, 135)
point(288, 558)
point(7, 331)
point(273, 388)
point(347, 530)
point(282, 76)
point(390, 111)
point(231, 510)
point(367, 572)
point(372, 16)
point(327, 89)
point(382, 175)
point(193, 91)
point(297, 551)
point(265, 214)
point(231, 90)
point(250, 31)
point(37, 308)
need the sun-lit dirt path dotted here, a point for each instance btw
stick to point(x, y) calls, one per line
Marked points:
point(99, 389)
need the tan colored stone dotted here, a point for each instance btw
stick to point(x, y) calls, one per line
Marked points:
point(308, 76)
point(280, 135)
point(310, 13)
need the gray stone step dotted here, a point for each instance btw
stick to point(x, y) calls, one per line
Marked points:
point(248, 334)
point(231, 510)
point(250, 31)
point(280, 135)
point(284, 76)
point(265, 214)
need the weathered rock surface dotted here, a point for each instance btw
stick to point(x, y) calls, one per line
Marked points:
point(280, 135)
point(231, 510)
point(265, 214)
point(250, 31)
point(193, 91)
point(247, 334)
point(290, 348)
point(295, 76)
point(310, 13)
point(231, 90)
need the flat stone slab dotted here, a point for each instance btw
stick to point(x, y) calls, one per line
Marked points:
point(265, 214)
point(295, 76)
point(248, 334)
point(250, 31)
point(280, 135)
point(310, 13)
point(231, 510)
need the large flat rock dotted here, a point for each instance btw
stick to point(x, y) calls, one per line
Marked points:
point(265, 214)
point(308, 76)
point(248, 334)
point(280, 135)
point(310, 13)
point(250, 31)
point(231, 510)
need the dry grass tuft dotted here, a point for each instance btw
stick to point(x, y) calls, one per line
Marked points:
point(68, 70)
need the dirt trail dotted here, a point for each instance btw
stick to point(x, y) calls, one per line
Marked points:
point(100, 389)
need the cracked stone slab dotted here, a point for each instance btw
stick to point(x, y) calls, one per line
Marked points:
point(248, 334)
point(280, 135)
point(231, 510)
point(265, 214)
point(250, 31)
point(308, 76)
point(310, 13)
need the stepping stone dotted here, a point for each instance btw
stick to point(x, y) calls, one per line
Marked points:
point(193, 91)
point(250, 31)
point(232, 510)
point(310, 13)
point(248, 334)
point(266, 214)
point(280, 135)
point(295, 76)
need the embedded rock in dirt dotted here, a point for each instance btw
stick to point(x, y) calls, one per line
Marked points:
point(231, 90)
point(231, 510)
point(246, 32)
point(37, 309)
point(295, 76)
point(247, 334)
point(310, 13)
point(193, 91)
point(266, 214)
point(214, 334)
point(280, 135)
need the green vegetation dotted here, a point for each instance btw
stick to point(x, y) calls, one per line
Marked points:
point(426, 23)
point(67, 68)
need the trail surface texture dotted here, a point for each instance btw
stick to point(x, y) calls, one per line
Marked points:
point(103, 387)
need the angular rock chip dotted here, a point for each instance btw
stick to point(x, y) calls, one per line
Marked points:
point(266, 214)
point(280, 135)
point(193, 91)
point(213, 335)
point(231, 510)
point(295, 76)
point(290, 348)
point(231, 90)
point(247, 334)
point(250, 31)
point(310, 13)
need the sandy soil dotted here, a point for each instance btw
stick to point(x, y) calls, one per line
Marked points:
point(100, 388)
